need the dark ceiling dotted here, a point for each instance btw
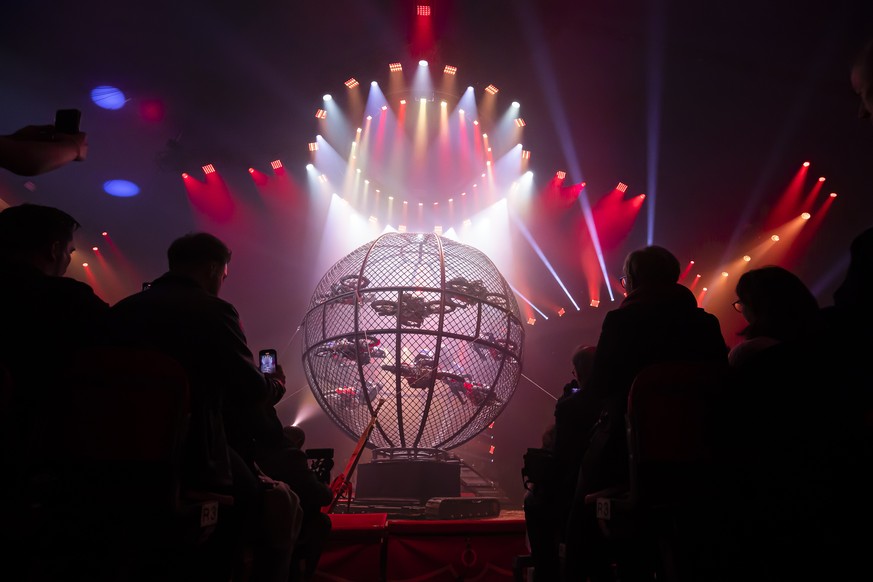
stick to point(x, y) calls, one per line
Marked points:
point(748, 90)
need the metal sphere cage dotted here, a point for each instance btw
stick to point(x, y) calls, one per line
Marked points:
point(425, 323)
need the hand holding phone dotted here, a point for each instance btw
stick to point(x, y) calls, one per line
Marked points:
point(267, 359)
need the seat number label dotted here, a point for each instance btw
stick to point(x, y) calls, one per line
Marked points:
point(209, 514)
point(604, 508)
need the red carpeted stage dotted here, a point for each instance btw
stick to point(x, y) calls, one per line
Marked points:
point(369, 547)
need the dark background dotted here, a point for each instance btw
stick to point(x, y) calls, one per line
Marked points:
point(748, 91)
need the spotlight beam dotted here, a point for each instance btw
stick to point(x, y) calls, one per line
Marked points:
point(542, 256)
point(526, 300)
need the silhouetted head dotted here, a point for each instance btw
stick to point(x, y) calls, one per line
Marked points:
point(201, 257)
point(857, 287)
point(862, 80)
point(40, 236)
point(583, 362)
point(776, 303)
point(650, 267)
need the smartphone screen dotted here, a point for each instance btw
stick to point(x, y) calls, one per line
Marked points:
point(268, 361)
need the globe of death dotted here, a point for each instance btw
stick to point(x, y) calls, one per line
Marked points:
point(428, 325)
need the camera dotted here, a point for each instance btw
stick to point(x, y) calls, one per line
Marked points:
point(267, 359)
point(67, 120)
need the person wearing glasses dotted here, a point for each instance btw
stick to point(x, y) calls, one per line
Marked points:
point(777, 306)
point(658, 321)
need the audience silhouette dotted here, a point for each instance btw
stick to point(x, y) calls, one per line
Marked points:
point(550, 493)
point(181, 315)
point(46, 318)
point(658, 321)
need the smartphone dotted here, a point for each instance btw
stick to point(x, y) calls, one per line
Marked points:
point(67, 120)
point(267, 358)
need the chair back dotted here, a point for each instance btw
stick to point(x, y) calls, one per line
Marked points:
point(668, 426)
point(125, 404)
point(122, 426)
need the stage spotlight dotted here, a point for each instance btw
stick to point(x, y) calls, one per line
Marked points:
point(423, 100)
point(369, 117)
point(422, 63)
point(421, 204)
point(351, 83)
point(374, 220)
point(422, 10)
point(95, 249)
point(390, 197)
point(531, 320)
point(438, 229)
point(806, 216)
point(208, 169)
point(85, 265)
point(475, 122)
point(724, 273)
point(384, 108)
point(327, 97)
point(184, 177)
point(313, 146)
point(747, 258)
point(401, 228)
point(468, 222)
point(822, 179)
point(120, 188)
point(525, 154)
point(104, 233)
point(320, 114)
point(395, 67)
point(833, 194)
point(622, 187)
point(276, 164)
point(403, 101)
point(450, 70)
point(491, 90)
point(561, 312)
point(516, 104)
point(443, 104)
point(108, 97)
point(805, 164)
point(519, 122)
point(595, 303)
point(775, 238)
point(308, 167)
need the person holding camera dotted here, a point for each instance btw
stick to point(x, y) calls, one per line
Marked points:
point(180, 314)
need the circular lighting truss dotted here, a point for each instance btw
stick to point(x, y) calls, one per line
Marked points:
point(423, 322)
point(422, 138)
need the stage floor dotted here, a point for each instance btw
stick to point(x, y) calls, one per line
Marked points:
point(370, 547)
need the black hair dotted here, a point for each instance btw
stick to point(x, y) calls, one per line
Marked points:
point(779, 303)
point(196, 249)
point(30, 228)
